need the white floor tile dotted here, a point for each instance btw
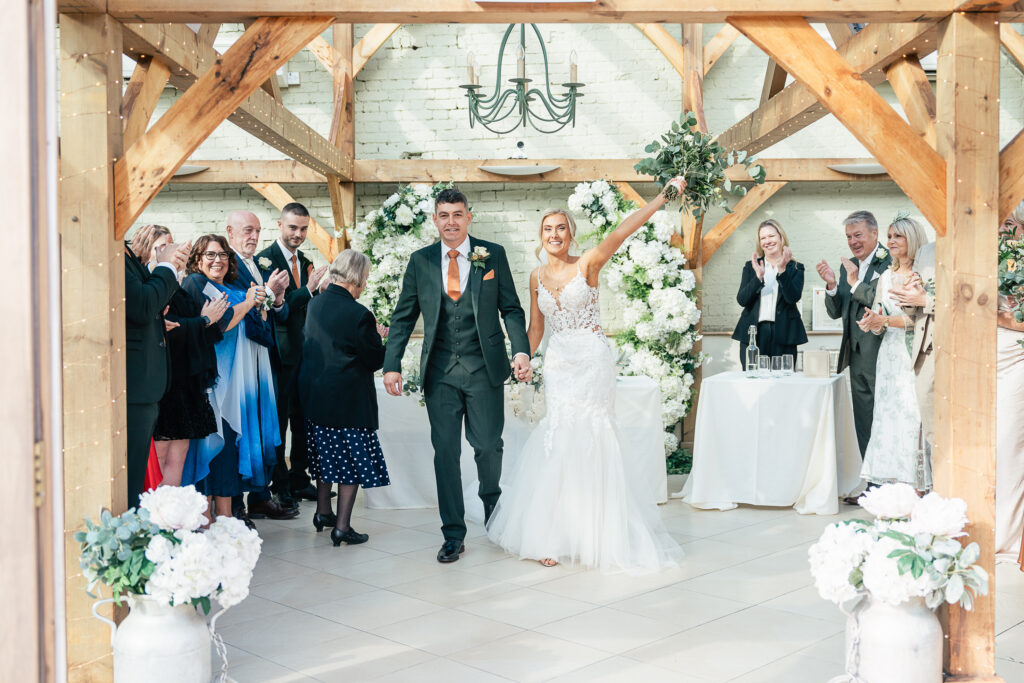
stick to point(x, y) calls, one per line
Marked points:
point(807, 602)
point(354, 657)
point(388, 571)
point(270, 569)
point(624, 670)
point(440, 670)
point(453, 588)
point(367, 611)
point(261, 671)
point(679, 606)
point(282, 633)
point(792, 669)
point(310, 589)
point(610, 630)
point(445, 631)
point(735, 644)
point(758, 580)
point(529, 656)
point(526, 608)
point(327, 558)
point(593, 586)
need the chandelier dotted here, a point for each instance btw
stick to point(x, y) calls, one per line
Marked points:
point(504, 111)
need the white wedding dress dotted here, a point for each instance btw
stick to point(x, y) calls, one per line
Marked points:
point(569, 496)
point(896, 451)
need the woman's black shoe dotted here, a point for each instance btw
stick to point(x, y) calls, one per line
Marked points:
point(352, 537)
point(327, 519)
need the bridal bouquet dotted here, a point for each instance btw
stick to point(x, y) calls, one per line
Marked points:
point(1011, 271)
point(701, 161)
point(160, 551)
point(909, 551)
point(526, 399)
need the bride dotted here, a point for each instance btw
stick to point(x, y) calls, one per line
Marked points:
point(569, 498)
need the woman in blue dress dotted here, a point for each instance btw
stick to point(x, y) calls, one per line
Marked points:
point(240, 455)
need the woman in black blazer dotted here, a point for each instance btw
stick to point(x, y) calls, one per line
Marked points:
point(770, 288)
point(341, 351)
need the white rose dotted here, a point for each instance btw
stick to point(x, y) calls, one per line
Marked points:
point(158, 549)
point(890, 501)
point(391, 201)
point(175, 507)
point(938, 516)
point(404, 215)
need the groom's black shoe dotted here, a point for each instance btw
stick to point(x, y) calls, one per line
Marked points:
point(488, 511)
point(450, 551)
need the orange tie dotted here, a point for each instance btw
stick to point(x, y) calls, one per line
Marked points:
point(295, 271)
point(454, 291)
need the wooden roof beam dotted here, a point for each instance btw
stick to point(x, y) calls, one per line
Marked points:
point(1013, 43)
point(467, 171)
point(318, 235)
point(259, 115)
point(471, 12)
point(916, 96)
point(141, 97)
point(774, 81)
point(719, 43)
point(798, 48)
point(152, 160)
point(793, 109)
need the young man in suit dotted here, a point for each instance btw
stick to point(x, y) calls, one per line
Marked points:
point(848, 297)
point(146, 295)
point(461, 285)
point(302, 283)
point(243, 230)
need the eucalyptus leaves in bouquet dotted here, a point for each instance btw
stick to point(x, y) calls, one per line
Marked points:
point(1011, 271)
point(685, 151)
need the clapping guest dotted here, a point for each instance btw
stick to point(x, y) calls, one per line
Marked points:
point(1009, 424)
point(243, 228)
point(239, 456)
point(770, 288)
point(185, 410)
point(302, 281)
point(896, 451)
point(146, 295)
point(341, 351)
point(848, 297)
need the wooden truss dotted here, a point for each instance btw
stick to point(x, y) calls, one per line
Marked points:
point(944, 156)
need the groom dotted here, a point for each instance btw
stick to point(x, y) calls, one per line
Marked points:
point(460, 286)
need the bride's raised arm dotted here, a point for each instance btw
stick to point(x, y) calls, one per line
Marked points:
point(595, 259)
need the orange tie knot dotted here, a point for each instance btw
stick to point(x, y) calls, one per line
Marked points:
point(453, 253)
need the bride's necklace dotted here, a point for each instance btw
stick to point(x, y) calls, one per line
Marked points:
point(558, 290)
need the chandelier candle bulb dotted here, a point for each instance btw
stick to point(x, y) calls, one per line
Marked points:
point(573, 73)
point(521, 63)
point(470, 72)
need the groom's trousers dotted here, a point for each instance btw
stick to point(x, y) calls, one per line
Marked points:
point(452, 398)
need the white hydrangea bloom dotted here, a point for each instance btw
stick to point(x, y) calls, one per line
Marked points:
point(175, 507)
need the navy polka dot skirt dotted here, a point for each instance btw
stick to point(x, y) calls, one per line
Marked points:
point(346, 456)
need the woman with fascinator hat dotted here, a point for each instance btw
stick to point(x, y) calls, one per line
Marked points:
point(897, 451)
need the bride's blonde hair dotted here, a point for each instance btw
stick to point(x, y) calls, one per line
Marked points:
point(568, 219)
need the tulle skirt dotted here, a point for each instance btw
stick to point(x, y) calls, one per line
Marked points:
point(569, 496)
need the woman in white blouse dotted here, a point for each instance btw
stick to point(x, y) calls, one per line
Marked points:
point(771, 286)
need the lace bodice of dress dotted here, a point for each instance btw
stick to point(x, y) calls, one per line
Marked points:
point(576, 308)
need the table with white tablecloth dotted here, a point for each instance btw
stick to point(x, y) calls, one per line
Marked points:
point(775, 441)
point(405, 439)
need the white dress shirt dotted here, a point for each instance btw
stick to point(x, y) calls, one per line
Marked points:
point(769, 293)
point(255, 272)
point(463, 264)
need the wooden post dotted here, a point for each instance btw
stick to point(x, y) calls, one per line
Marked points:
point(93, 311)
point(343, 130)
point(965, 332)
point(693, 100)
point(26, 544)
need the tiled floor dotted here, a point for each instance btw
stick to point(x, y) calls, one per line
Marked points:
point(740, 608)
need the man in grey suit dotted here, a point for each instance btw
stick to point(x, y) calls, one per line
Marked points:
point(460, 285)
point(848, 297)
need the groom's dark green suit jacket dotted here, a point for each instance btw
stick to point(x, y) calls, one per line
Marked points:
point(491, 291)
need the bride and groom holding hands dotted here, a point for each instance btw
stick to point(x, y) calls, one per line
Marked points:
point(569, 498)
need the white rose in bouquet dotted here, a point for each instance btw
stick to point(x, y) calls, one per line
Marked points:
point(391, 201)
point(938, 516)
point(404, 215)
point(894, 501)
point(175, 507)
point(834, 559)
point(883, 579)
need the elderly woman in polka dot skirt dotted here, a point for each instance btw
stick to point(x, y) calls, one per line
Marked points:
point(341, 351)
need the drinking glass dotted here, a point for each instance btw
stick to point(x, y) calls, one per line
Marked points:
point(799, 361)
point(764, 366)
point(776, 366)
point(787, 364)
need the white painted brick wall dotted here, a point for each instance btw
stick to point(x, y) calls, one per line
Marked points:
point(408, 100)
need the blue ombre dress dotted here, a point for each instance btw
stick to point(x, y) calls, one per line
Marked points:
point(240, 455)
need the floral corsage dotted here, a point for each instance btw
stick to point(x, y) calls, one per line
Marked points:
point(479, 257)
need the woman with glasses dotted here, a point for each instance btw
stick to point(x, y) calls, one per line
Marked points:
point(230, 460)
point(191, 332)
